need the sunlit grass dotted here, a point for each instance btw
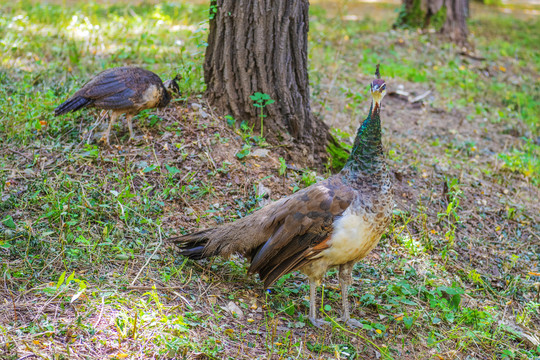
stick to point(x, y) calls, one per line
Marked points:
point(47, 51)
point(67, 207)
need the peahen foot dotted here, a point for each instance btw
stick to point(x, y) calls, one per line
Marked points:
point(318, 323)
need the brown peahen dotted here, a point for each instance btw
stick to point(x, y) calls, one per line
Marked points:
point(126, 89)
point(333, 223)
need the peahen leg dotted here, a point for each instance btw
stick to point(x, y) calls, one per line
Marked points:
point(345, 280)
point(313, 305)
point(105, 136)
point(130, 126)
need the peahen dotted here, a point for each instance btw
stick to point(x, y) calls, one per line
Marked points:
point(126, 89)
point(333, 223)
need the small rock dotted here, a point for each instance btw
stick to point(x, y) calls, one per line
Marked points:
point(196, 106)
point(233, 309)
point(203, 114)
point(264, 193)
point(259, 153)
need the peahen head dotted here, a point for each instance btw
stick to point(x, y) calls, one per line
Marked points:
point(172, 85)
point(378, 90)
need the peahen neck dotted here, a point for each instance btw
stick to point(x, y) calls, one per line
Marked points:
point(367, 155)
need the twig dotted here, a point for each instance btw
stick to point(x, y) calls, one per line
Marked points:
point(210, 158)
point(157, 160)
point(474, 57)
point(27, 356)
point(100, 312)
point(38, 314)
point(150, 258)
point(183, 298)
point(161, 288)
point(20, 153)
point(420, 97)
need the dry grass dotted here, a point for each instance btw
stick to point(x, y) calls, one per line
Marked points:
point(455, 277)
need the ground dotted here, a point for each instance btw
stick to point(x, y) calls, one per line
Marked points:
point(86, 271)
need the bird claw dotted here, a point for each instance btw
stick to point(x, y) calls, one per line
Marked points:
point(318, 323)
point(351, 322)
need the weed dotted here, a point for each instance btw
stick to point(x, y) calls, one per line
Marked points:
point(261, 100)
point(81, 255)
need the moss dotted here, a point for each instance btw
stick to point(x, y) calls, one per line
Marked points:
point(437, 21)
point(411, 18)
point(338, 154)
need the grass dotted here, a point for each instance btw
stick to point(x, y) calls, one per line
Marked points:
point(85, 268)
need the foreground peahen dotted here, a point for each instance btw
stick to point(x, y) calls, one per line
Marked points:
point(333, 223)
point(122, 90)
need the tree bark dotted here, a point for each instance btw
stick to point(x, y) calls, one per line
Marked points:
point(410, 15)
point(455, 25)
point(261, 46)
point(456, 13)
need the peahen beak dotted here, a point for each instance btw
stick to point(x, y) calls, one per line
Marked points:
point(378, 90)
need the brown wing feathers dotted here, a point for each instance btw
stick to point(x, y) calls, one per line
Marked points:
point(120, 88)
point(280, 237)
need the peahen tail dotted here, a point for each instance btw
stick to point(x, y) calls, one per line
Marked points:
point(193, 245)
point(73, 104)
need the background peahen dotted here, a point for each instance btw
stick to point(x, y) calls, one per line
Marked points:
point(122, 90)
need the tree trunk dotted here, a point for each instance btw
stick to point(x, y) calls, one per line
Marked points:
point(455, 25)
point(455, 15)
point(433, 7)
point(261, 46)
point(410, 15)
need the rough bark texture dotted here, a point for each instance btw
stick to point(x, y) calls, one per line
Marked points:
point(261, 46)
point(455, 11)
point(455, 25)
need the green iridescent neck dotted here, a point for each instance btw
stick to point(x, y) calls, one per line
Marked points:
point(367, 152)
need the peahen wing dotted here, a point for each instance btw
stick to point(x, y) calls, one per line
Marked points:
point(302, 227)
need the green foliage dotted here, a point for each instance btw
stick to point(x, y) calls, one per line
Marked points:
point(339, 149)
point(246, 149)
point(309, 177)
point(92, 219)
point(411, 18)
point(282, 167)
point(76, 43)
point(526, 161)
point(261, 100)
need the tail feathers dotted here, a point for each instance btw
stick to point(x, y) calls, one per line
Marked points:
point(193, 245)
point(73, 104)
point(195, 253)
